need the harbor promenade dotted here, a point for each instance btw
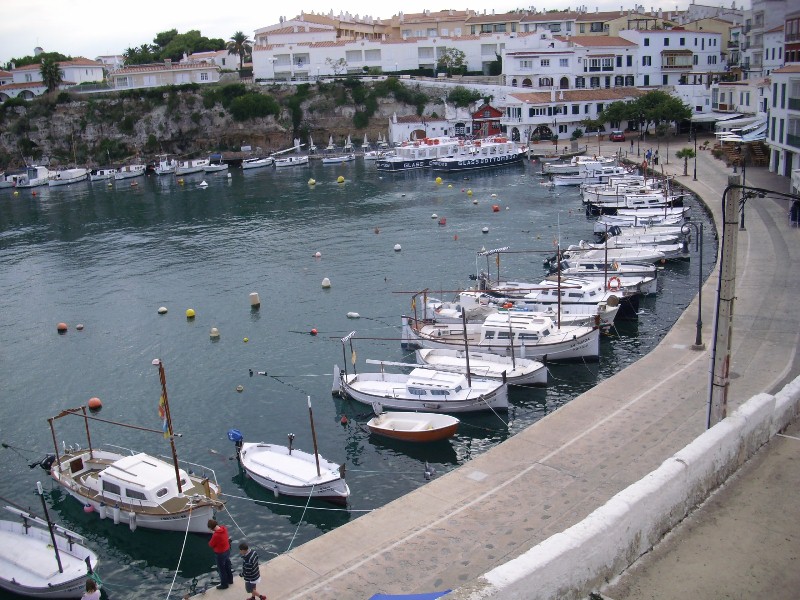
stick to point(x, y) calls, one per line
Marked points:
point(449, 533)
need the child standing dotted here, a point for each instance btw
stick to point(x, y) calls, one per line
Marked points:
point(250, 571)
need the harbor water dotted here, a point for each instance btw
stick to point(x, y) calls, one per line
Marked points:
point(108, 256)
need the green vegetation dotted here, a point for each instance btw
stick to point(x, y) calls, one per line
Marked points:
point(253, 105)
point(452, 61)
point(241, 46)
point(462, 97)
point(685, 154)
point(51, 74)
point(171, 45)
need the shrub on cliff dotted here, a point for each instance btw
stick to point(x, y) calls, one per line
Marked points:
point(253, 105)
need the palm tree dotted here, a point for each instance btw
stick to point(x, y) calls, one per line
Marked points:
point(240, 45)
point(685, 154)
point(51, 74)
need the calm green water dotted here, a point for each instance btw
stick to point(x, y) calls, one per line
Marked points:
point(108, 257)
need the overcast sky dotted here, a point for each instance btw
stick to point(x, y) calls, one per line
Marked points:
point(91, 28)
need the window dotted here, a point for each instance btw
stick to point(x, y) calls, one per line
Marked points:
point(135, 494)
point(545, 62)
point(414, 391)
point(629, 80)
point(647, 61)
point(596, 27)
point(439, 392)
point(545, 82)
point(111, 488)
point(646, 80)
point(618, 81)
point(666, 41)
point(599, 107)
point(629, 61)
point(204, 76)
point(619, 61)
point(682, 42)
point(586, 109)
point(783, 103)
point(594, 82)
point(580, 82)
point(526, 64)
point(563, 62)
point(576, 109)
point(665, 80)
point(537, 112)
point(161, 493)
point(772, 129)
point(646, 41)
point(695, 58)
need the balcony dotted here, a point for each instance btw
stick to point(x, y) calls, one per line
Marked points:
point(793, 140)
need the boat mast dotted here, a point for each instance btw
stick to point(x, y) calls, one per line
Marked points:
point(162, 376)
point(313, 435)
point(49, 526)
point(466, 344)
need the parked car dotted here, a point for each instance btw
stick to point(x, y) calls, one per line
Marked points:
point(617, 136)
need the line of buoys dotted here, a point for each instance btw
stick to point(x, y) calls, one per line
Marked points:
point(326, 283)
point(190, 314)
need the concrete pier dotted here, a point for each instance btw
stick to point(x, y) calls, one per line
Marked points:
point(452, 532)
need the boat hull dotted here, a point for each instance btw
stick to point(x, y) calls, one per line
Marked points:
point(293, 473)
point(484, 364)
point(414, 427)
point(457, 163)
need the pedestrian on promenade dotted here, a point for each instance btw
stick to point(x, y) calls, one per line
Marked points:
point(221, 545)
point(250, 571)
point(655, 158)
point(631, 146)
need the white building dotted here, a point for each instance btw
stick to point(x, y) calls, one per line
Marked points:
point(26, 82)
point(161, 74)
point(763, 16)
point(784, 120)
point(222, 58)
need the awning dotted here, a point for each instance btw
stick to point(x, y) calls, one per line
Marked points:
point(713, 117)
point(731, 123)
point(430, 596)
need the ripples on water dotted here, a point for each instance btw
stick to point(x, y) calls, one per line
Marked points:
point(109, 256)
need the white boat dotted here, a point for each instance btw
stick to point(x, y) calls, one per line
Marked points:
point(491, 152)
point(528, 335)
point(348, 146)
point(605, 221)
point(312, 148)
point(515, 371)
point(418, 154)
point(599, 269)
point(365, 144)
point(31, 566)
point(413, 426)
point(288, 471)
point(378, 154)
point(215, 164)
point(647, 255)
point(590, 175)
point(424, 390)
point(5, 181)
point(669, 250)
point(257, 163)
point(102, 174)
point(577, 164)
point(341, 158)
point(166, 165)
point(129, 172)
point(33, 176)
point(331, 147)
point(191, 166)
point(67, 176)
point(136, 489)
point(291, 161)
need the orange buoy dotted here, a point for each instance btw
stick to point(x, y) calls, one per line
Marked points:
point(313, 331)
point(62, 328)
point(495, 208)
point(455, 237)
point(95, 404)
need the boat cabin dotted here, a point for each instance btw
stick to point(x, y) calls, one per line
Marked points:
point(427, 382)
point(523, 328)
point(139, 478)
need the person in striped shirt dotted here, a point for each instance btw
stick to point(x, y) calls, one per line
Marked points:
point(250, 571)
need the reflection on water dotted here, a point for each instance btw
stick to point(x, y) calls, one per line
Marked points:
point(109, 256)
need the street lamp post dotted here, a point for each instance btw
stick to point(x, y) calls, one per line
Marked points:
point(698, 244)
point(694, 177)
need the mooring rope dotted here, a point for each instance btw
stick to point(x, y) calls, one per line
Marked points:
point(180, 556)
point(299, 522)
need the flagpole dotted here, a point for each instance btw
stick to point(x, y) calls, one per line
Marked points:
point(162, 376)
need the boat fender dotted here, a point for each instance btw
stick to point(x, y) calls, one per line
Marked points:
point(115, 514)
point(102, 510)
point(132, 520)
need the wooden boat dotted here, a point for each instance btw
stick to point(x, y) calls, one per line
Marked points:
point(33, 176)
point(215, 164)
point(129, 172)
point(291, 161)
point(288, 471)
point(139, 490)
point(335, 160)
point(40, 559)
point(68, 176)
point(513, 370)
point(166, 165)
point(257, 163)
point(414, 426)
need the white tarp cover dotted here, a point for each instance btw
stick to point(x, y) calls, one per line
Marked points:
point(714, 116)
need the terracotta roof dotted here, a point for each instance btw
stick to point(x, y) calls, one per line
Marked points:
point(23, 86)
point(597, 40)
point(292, 29)
point(337, 44)
point(788, 69)
point(608, 16)
point(780, 28)
point(500, 18)
point(162, 67)
point(418, 119)
point(5, 73)
point(78, 61)
point(564, 15)
point(442, 15)
point(578, 95)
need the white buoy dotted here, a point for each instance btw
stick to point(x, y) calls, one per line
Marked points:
point(434, 216)
point(494, 195)
point(203, 184)
point(475, 201)
point(485, 230)
point(317, 254)
point(162, 310)
point(397, 248)
point(326, 283)
point(214, 333)
point(353, 315)
point(255, 301)
point(229, 176)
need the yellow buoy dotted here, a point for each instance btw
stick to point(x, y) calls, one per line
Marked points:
point(469, 192)
point(312, 181)
point(449, 185)
point(240, 388)
point(190, 314)
point(245, 340)
point(340, 179)
point(438, 181)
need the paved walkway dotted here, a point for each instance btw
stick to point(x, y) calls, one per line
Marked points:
point(449, 532)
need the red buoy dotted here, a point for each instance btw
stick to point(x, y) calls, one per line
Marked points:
point(313, 331)
point(343, 420)
point(95, 404)
point(62, 328)
point(495, 208)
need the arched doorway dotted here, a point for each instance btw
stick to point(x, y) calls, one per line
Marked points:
point(514, 82)
point(564, 83)
point(527, 83)
point(515, 134)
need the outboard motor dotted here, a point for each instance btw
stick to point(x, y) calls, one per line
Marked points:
point(237, 438)
point(46, 463)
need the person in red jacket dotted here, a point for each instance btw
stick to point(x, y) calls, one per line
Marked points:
point(221, 545)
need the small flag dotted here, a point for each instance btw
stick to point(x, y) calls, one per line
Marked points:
point(162, 412)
